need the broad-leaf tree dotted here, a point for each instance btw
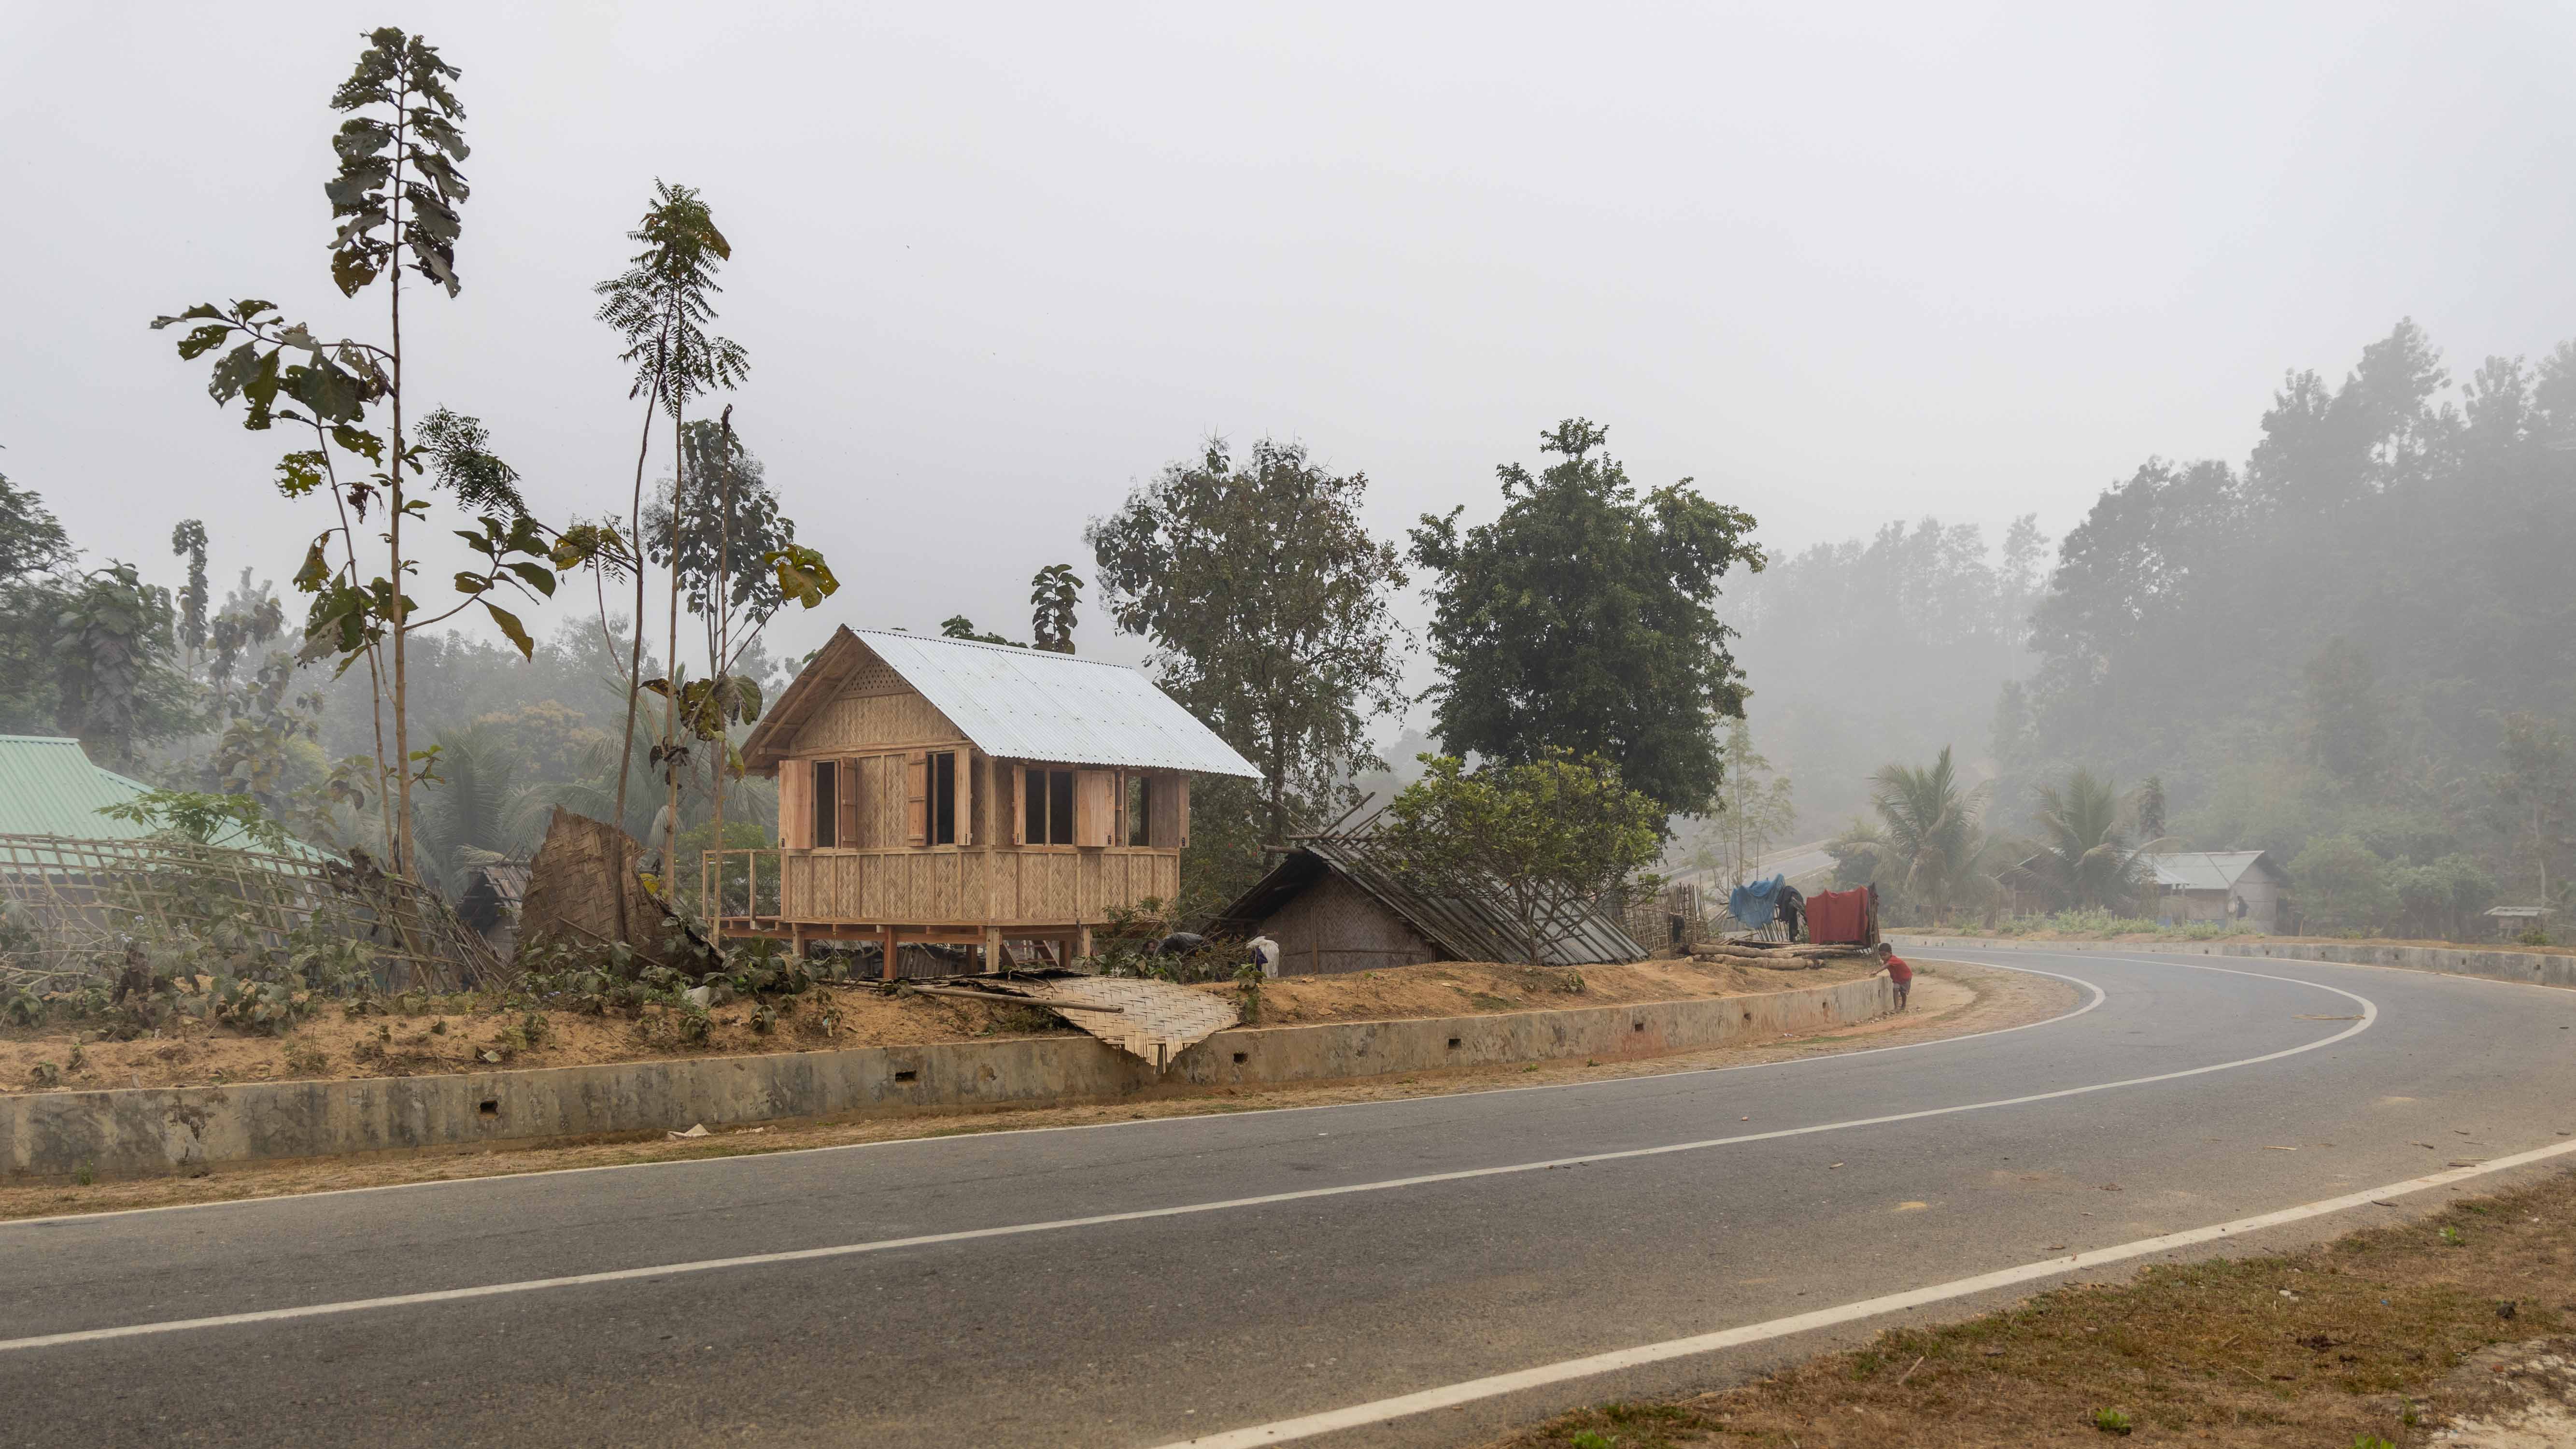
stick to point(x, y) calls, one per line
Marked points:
point(188, 541)
point(396, 197)
point(1267, 604)
point(1052, 597)
point(1546, 839)
point(1584, 618)
point(117, 685)
point(737, 561)
point(1753, 807)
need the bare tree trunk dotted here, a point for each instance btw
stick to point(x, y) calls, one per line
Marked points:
point(717, 662)
point(375, 652)
point(671, 696)
point(394, 514)
point(635, 649)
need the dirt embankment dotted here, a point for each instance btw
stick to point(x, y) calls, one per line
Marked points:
point(461, 1034)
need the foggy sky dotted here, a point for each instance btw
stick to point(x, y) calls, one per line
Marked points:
point(994, 265)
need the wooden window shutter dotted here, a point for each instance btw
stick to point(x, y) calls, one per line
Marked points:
point(916, 797)
point(795, 781)
point(848, 836)
point(1019, 806)
point(1181, 811)
point(963, 786)
point(1163, 805)
point(1095, 806)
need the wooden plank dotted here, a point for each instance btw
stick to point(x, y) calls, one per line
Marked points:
point(1163, 810)
point(1019, 805)
point(1181, 807)
point(847, 833)
point(795, 778)
point(1095, 807)
point(962, 785)
point(916, 797)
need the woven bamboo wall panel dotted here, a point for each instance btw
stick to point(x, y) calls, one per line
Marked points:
point(1333, 926)
point(874, 722)
point(915, 887)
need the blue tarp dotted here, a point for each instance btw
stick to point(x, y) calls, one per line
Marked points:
point(1757, 903)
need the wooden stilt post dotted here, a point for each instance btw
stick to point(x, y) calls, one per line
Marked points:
point(993, 950)
point(1082, 944)
point(892, 946)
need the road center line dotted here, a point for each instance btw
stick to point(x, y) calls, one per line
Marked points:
point(1451, 1395)
point(2370, 1014)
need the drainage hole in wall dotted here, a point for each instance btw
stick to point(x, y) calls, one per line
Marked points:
point(491, 1106)
point(1241, 1057)
point(905, 1076)
point(1748, 1016)
point(1640, 1026)
point(1453, 1043)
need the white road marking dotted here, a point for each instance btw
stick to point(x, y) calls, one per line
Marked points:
point(2370, 1014)
point(1452, 1395)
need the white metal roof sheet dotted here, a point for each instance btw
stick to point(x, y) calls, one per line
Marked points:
point(1031, 704)
point(2202, 870)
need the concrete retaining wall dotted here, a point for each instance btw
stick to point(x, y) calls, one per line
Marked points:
point(2529, 967)
point(144, 1131)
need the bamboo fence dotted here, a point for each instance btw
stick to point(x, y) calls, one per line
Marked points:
point(82, 901)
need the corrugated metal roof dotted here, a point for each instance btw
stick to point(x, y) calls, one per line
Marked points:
point(49, 787)
point(2202, 870)
point(1030, 704)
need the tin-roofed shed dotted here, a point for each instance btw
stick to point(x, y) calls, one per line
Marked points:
point(2247, 887)
point(1336, 904)
point(950, 791)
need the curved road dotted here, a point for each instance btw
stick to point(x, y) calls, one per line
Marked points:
point(1142, 1283)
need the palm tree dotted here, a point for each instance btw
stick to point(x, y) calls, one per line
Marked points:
point(1933, 846)
point(473, 812)
point(2085, 858)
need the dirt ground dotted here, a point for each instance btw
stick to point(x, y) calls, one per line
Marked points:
point(2441, 1329)
point(1949, 1000)
point(333, 1044)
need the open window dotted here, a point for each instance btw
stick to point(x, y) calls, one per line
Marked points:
point(1140, 810)
point(1046, 807)
point(942, 780)
point(1157, 810)
point(826, 807)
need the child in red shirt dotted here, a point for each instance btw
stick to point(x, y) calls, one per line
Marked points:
point(1898, 973)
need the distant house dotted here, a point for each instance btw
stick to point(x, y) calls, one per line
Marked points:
point(2515, 920)
point(2246, 887)
point(48, 787)
point(1332, 906)
point(944, 791)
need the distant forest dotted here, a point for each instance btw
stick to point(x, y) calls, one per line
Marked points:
point(2352, 649)
point(2356, 649)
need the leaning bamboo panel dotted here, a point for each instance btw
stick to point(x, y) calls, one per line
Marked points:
point(85, 898)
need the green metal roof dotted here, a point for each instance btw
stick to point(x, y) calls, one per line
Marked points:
point(49, 787)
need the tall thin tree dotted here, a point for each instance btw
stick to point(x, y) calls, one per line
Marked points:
point(660, 306)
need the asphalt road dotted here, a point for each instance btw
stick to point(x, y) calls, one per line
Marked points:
point(1180, 1309)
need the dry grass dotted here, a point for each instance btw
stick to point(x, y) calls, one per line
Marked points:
point(2326, 1347)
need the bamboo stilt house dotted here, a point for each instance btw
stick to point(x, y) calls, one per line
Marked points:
point(948, 791)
